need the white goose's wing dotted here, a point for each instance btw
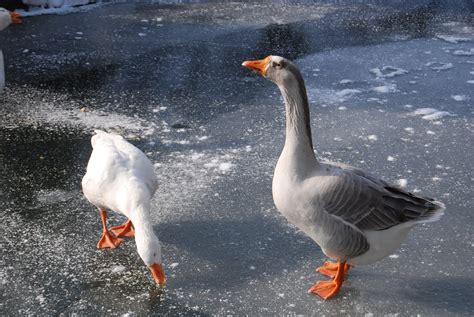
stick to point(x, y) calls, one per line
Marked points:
point(115, 160)
point(352, 201)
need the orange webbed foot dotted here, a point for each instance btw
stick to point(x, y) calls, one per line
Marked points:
point(330, 269)
point(108, 241)
point(325, 289)
point(16, 18)
point(329, 289)
point(125, 230)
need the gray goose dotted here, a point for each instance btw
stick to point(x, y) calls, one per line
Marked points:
point(355, 217)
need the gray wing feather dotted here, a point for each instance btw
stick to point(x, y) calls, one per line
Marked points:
point(369, 203)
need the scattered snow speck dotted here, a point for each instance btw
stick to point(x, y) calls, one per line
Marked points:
point(388, 72)
point(394, 256)
point(410, 130)
point(337, 139)
point(402, 182)
point(144, 21)
point(439, 166)
point(408, 106)
point(40, 298)
point(26, 50)
point(430, 132)
point(436, 179)
point(225, 167)
point(252, 267)
point(202, 138)
point(372, 137)
point(78, 38)
point(470, 81)
point(390, 158)
point(248, 148)
point(118, 269)
point(342, 108)
point(141, 34)
point(459, 97)
point(173, 265)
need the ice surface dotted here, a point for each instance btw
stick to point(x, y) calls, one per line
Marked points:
point(217, 225)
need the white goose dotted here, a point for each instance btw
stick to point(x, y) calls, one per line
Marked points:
point(6, 18)
point(121, 178)
point(355, 217)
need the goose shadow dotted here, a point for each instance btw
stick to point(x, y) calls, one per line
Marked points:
point(450, 293)
point(231, 252)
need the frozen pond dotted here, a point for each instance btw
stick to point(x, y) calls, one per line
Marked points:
point(391, 89)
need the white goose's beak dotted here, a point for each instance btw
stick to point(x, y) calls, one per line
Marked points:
point(158, 274)
point(258, 65)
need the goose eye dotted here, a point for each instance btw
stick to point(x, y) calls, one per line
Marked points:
point(275, 64)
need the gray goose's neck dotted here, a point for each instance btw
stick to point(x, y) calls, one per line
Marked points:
point(298, 139)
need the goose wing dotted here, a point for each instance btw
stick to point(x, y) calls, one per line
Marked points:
point(369, 203)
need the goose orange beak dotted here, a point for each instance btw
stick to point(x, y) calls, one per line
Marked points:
point(258, 65)
point(158, 274)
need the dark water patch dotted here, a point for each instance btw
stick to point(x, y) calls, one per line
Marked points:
point(39, 158)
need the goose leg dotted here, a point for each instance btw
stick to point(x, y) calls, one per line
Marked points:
point(330, 269)
point(107, 240)
point(329, 289)
point(124, 230)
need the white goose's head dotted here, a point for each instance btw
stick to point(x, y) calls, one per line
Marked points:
point(149, 249)
point(277, 69)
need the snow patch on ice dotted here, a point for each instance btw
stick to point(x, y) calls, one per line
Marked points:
point(347, 92)
point(390, 158)
point(437, 66)
point(464, 53)
point(388, 72)
point(393, 256)
point(430, 114)
point(345, 81)
point(65, 9)
point(385, 88)
point(459, 97)
point(225, 167)
point(452, 39)
point(173, 265)
point(372, 137)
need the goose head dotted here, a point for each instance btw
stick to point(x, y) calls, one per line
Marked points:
point(278, 69)
point(149, 249)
